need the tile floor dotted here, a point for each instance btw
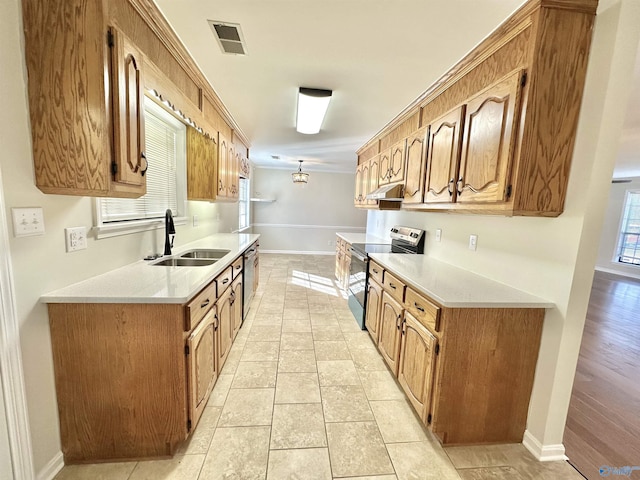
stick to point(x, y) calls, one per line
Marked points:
point(304, 395)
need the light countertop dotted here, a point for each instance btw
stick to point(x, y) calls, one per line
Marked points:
point(142, 282)
point(362, 238)
point(455, 287)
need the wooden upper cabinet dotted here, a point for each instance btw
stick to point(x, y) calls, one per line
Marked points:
point(416, 364)
point(490, 130)
point(443, 157)
point(223, 160)
point(202, 155)
point(384, 173)
point(233, 172)
point(245, 168)
point(374, 177)
point(415, 169)
point(129, 163)
point(397, 162)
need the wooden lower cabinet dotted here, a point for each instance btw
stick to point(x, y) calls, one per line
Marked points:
point(236, 306)
point(202, 371)
point(389, 330)
point(416, 364)
point(225, 329)
point(374, 297)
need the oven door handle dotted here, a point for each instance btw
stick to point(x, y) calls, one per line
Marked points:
point(358, 255)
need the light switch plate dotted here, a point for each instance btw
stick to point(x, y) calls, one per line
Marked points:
point(76, 238)
point(473, 242)
point(27, 221)
point(438, 234)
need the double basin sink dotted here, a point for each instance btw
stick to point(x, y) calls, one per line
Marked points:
point(193, 258)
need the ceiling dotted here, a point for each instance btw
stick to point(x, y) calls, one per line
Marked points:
point(376, 55)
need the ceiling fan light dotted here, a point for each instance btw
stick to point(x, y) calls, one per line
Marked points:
point(312, 108)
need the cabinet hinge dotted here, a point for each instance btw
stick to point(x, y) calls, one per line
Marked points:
point(186, 350)
point(508, 191)
point(523, 79)
point(110, 40)
point(114, 168)
point(437, 349)
point(429, 418)
point(189, 425)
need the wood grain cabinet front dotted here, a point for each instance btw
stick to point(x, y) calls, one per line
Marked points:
point(237, 302)
point(389, 326)
point(416, 163)
point(202, 165)
point(372, 311)
point(225, 327)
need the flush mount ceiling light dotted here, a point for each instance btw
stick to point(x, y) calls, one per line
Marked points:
point(300, 176)
point(312, 107)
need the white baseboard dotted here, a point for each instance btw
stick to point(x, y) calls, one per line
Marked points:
point(52, 468)
point(618, 272)
point(544, 453)
point(297, 252)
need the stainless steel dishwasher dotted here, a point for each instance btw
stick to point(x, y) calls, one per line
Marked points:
point(249, 280)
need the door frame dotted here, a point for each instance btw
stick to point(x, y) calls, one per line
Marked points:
point(11, 372)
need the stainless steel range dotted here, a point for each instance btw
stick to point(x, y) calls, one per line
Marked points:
point(403, 240)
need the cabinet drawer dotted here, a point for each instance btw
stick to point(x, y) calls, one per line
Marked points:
point(224, 280)
point(237, 266)
point(200, 305)
point(393, 286)
point(425, 312)
point(376, 271)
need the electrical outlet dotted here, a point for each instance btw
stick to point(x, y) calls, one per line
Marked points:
point(76, 238)
point(195, 220)
point(438, 235)
point(27, 221)
point(473, 242)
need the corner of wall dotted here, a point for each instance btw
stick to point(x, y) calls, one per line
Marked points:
point(543, 453)
point(52, 468)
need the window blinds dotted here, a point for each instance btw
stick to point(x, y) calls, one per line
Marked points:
point(161, 138)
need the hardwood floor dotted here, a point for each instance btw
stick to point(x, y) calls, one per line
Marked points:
point(603, 426)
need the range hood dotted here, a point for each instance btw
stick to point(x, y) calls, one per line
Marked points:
point(392, 193)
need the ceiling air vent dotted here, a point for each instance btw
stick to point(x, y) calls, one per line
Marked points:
point(229, 36)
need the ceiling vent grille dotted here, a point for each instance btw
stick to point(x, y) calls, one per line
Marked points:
point(229, 37)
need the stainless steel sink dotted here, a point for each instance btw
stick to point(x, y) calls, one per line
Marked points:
point(185, 262)
point(205, 253)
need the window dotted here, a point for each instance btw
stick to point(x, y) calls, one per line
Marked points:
point(629, 241)
point(165, 138)
point(243, 204)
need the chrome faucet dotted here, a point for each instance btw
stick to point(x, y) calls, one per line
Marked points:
point(169, 232)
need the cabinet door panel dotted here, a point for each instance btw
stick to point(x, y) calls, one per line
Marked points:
point(415, 170)
point(397, 162)
point(202, 152)
point(488, 143)
point(357, 197)
point(233, 175)
point(374, 177)
point(415, 369)
point(128, 112)
point(371, 321)
point(236, 305)
point(443, 158)
point(389, 326)
point(225, 327)
point(202, 365)
point(223, 160)
point(385, 168)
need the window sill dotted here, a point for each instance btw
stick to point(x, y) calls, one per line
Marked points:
point(248, 227)
point(115, 229)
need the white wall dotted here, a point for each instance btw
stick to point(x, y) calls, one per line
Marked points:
point(552, 257)
point(40, 263)
point(6, 469)
point(611, 229)
point(304, 218)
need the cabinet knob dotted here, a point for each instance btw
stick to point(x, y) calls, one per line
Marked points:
point(205, 303)
point(450, 187)
point(392, 285)
point(146, 164)
point(458, 186)
point(418, 307)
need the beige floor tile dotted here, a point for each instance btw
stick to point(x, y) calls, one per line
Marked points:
point(360, 339)
point(337, 372)
point(296, 326)
point(321, 309)
point(231, 364)
point(266, 319)
point(331, 350)
point(492, 473)
point(276, 307)
point(374, 477)
point(247, 407)
point(345, 403)
point(297, 361)
point(255, 375)
point(349, 325)
point(368, 359)
point(324, 318)
point(200, 439)
point(397, 422)
point(260, 352)
point(298, 313)
point(307, 464)
point(487, 455)
point(380, 385)
point(327, 332)
point(97, 471)
point(296, 341)
point(432, 462)
point(298, 426)
point(237, 453)
point(220, 391)
point(297, 388)
point(356, 448)
point(180, 467)
point(265, 333)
